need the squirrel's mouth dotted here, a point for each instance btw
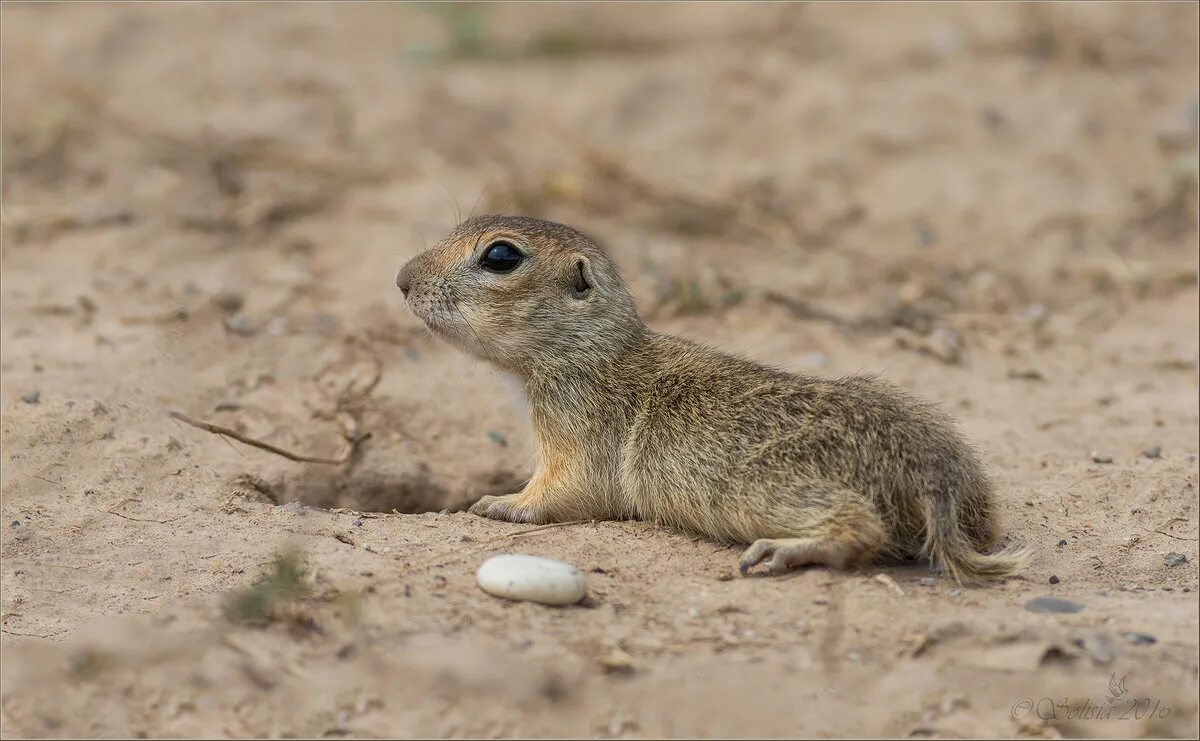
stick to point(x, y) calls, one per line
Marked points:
point(447, 321)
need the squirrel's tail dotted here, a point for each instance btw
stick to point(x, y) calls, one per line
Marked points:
point(948, 548)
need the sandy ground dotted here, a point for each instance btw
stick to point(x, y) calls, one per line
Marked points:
point(204, 208)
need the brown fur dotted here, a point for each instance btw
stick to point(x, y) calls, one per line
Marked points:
point(630, 423)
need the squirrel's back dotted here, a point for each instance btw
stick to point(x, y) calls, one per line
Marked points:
point(714, 428)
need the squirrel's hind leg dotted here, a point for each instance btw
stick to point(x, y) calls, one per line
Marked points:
point(827, 525)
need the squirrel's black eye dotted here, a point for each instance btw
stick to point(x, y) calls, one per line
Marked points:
point(500, 257)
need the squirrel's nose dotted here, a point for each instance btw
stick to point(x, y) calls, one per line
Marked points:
point(404, 280)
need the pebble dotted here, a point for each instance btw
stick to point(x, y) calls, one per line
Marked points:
point(497, 438)
point(993, 118)
point(617, 662)
point(533, 579)
point(1037, 313)
point(1153, 453)
point(240, 324)
point(1062, 543)
point(325, 323)
point(1098, 458)
point(33, 397)
point(1139, 639)
point(928, 581)
point(278, 326)
point(927, 236)
point(1054, 579)
point(1052, 604)
point(1175, 559)
point(228, 301)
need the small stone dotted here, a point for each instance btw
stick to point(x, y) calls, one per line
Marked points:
point(1037, 313)
point(22, 535)
point(33, 397)
point(541, 580)
point(1139, 639)
point(278, 326)
point(617, 662)
point(928, 581)
point(1175, 559)
point(927, 236)
point(1053, 579)
point(240, 324)
point(325, 323)
point(228, 301)
point(1153, 453)
point(1062, 543)
point(358, 523)
point(955, 592)
point(1052, 604)
point(16, 523)
point(497, 438)
point(993, 118)
point(1098, 458)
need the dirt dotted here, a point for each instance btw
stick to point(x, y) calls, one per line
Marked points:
point(204, 208)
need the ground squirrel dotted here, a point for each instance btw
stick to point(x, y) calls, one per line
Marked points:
point(632, 424)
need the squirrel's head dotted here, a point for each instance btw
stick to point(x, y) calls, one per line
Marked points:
point(524, 294)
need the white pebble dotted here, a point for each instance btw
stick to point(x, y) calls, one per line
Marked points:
point(530, 578)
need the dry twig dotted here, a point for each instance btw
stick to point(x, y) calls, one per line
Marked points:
point(227, 432)
point(135, 519)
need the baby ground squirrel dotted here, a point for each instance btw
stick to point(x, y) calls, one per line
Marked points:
point(630, 423)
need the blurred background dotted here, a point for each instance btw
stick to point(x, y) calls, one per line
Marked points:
point(204, 206)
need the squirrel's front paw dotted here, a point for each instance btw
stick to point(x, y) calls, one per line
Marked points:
point(507, 508)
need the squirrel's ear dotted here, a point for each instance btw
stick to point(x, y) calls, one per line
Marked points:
point(582, 279)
